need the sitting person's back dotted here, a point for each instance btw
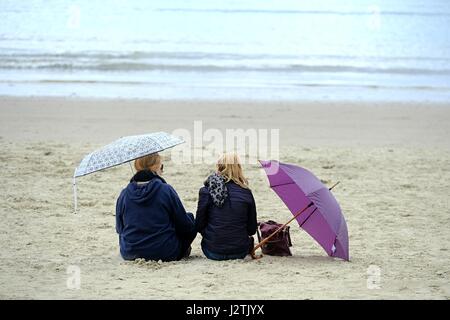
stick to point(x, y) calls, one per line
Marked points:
point(226, 214)
point(150, 218)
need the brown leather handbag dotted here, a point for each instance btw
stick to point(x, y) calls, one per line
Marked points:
point(279, 244)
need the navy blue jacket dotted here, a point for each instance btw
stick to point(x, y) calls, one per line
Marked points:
point(226, 230)
point(150, 220)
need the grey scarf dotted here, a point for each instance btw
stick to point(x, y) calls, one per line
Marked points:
point(217, 188)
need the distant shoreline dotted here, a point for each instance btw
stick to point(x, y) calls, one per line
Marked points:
point(326, 100)
point(406, 103)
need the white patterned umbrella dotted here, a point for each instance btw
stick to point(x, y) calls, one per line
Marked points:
point(121, 151)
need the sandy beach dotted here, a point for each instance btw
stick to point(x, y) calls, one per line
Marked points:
point(393, 161)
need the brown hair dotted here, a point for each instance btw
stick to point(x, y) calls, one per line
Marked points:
point(147, 162)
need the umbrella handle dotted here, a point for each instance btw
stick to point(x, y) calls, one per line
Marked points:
point(254, 255)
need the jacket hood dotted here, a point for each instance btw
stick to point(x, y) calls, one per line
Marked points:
point(143, 186)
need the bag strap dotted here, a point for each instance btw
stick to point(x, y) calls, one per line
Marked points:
point(257, 232)
point(288, 236)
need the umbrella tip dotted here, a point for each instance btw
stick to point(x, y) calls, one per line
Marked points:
point(265, 163)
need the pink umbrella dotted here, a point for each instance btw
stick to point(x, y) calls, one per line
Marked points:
point(313, 205)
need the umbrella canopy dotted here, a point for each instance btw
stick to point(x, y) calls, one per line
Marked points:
point(298, 188)
point(124, 150)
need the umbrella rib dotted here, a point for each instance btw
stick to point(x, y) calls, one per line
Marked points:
point(282, 184)
point(301, 225)
point(293, 182)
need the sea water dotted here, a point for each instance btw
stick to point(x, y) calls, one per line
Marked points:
point(225, 49)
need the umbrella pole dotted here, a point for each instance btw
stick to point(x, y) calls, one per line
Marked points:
point(131, 167)
point(75, 196)
point(75, 202)
point(259, 245)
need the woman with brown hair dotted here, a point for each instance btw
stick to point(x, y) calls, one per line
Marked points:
point(226, 212)
point(150, 218)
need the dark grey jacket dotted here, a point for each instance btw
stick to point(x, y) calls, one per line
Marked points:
point(226, 229)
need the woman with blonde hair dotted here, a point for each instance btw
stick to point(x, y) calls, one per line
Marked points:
point(150, 219)
point(226, 212)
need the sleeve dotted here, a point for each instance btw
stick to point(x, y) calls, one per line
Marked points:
point(252, 220)
point(184, 222)
point(201, 217)
point(119, 214)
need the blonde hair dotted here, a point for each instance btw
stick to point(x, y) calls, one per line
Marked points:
point(229, 166)
point(147, 162)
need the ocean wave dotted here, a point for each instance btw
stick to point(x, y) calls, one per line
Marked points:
point(16, 54)
point(307, 12)
point(136, 61)
point(130, 66)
